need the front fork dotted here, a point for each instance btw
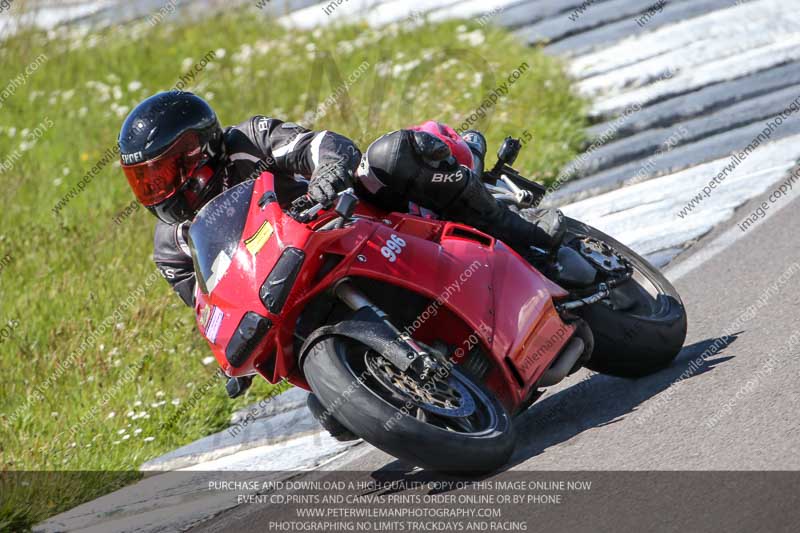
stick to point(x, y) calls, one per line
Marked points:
point(414, 357)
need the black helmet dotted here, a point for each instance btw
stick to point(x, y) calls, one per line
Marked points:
point(170, 147)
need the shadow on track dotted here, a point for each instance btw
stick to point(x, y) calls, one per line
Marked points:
point(595, 401)
point(599, 400)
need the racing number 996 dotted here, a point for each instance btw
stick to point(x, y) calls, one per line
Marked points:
point(394, 247)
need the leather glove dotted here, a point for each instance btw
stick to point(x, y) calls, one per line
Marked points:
point(432, 149)
point(328, 180)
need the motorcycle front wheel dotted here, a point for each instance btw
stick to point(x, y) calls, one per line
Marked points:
point(449, 424)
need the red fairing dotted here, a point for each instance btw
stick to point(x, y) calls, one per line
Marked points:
point(458, 146)
point(485, 294)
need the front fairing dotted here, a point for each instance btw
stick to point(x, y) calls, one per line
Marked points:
point(236, 241)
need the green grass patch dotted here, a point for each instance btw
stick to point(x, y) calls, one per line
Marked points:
point(97, 354)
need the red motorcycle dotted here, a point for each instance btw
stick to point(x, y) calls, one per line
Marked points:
point(421, 336)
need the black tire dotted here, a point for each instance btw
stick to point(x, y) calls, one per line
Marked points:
point(329, 423)
point(331, 369)
point(645, 338)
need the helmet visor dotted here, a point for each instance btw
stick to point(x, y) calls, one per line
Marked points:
point(156, 180)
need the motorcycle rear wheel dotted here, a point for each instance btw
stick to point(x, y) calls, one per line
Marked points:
point(649, 332)
point(346, 378)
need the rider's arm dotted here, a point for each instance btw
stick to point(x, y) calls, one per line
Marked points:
point(173, 259)
point(287, 147)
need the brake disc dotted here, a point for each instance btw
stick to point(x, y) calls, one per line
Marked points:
point(442, 396)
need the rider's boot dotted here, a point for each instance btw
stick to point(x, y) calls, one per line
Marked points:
point(475, 206)
point(549, 221)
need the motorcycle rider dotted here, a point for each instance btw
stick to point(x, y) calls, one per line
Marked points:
point(177, 157)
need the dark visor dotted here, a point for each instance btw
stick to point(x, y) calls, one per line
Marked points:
point(156, 180)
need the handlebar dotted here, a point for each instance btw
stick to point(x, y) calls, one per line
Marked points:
point(304, 209)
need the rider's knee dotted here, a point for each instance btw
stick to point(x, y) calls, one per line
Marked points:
point(390, 158)
point(414, 165)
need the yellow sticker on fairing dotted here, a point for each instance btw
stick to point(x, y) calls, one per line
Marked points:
point(255, 243)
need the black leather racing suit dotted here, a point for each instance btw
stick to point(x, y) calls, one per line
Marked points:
point(259, 144)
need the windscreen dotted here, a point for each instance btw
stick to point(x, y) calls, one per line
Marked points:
point(215, 234)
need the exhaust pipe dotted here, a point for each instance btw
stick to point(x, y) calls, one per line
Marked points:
point(561, 366)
